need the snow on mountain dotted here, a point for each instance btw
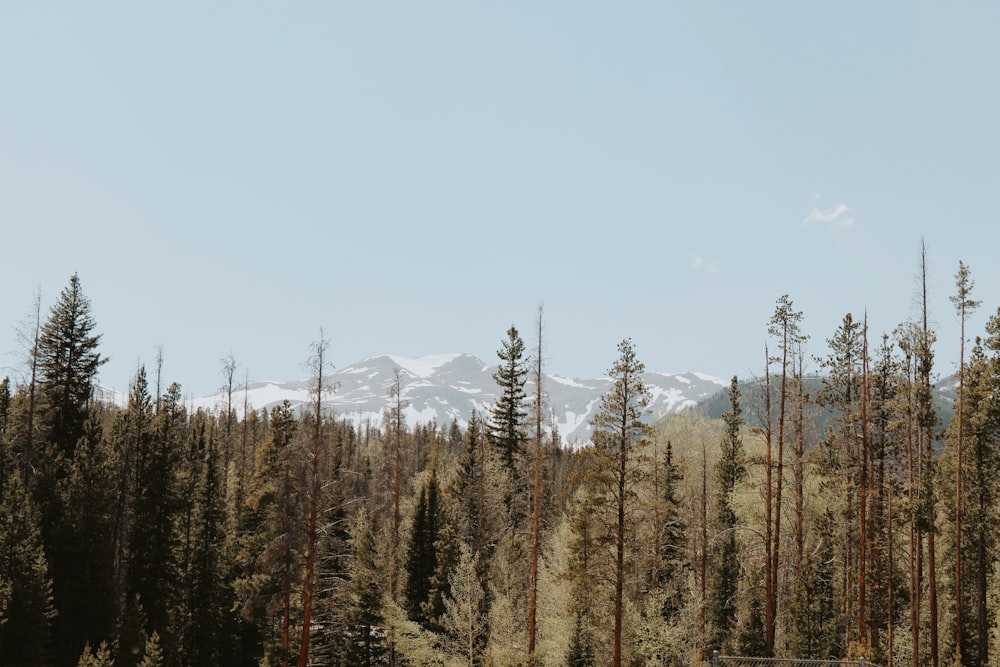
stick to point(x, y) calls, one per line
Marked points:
point(450, 386)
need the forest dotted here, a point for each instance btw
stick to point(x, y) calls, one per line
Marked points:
point(829, 512)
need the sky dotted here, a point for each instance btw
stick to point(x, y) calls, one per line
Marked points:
point(244, 179)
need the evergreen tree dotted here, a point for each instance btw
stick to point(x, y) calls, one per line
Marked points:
point(365, 632)
point(964, 306)
point(464, 621)
point(671, 535)
point(270, 537)
point(68, 363)
point(730, 470)
point(131, 642)
point(816, 630)
point(752, 639)
point(206, 597)
point(154, 450)
point(96, 658)
point(509, 415)
point(7, 465)
point(82, 548)
point(153, 654)
point(581, 648)
point(618, 430)
point(421, 554)
point(26, 609)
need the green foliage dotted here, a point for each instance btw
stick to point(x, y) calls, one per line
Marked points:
point(68, 362)
point(464, 620)
point(816, 630)
point(153, 654)
point(365, 643)
point(421, 553)
point(508, 417)
point(26, 602)
point(729, 471)
point(99, 658)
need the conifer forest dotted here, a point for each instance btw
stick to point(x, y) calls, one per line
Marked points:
point(835, 506)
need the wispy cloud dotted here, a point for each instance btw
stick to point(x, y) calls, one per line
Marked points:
point(837, 219)
point(699, 263)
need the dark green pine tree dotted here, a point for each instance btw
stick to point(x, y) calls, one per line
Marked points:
point(468, 489)
point(83, 545)
point(752, 635)
point(421, 553)
point(672, 550)
point(446, 547)
point(7, 456)
point(207, 598)
point(365, 642)
point(817, 626)
point(730, 470)
point(269, 536)
point(509, 415)
point(26, 609)
point(156, 448)
point(581, 648)
point(68, 362)
point(132, 638)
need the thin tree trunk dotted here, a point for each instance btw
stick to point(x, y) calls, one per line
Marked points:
point(620, 544)
point(536, 517)
point(314, 489)
point(769, 580)
point(890, 624)
point(927, 419)
point(863, 483)
point(799, 471)
point(704, 546)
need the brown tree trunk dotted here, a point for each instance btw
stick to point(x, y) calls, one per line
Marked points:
point(770, 592)
point(536, 515)
point(863, 484)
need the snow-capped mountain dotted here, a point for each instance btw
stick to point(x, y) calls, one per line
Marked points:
point(450, 386)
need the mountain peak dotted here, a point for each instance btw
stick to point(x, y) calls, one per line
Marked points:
point(446, 387)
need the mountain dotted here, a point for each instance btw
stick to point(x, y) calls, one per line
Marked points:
point(450, 386)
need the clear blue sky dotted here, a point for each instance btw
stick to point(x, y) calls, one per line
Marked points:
point(416, 176)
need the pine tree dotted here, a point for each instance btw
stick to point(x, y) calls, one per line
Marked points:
point(785, 326)
point(421, 553)
point(206, 597)
point(464, 621)
point(964, 306)
point(271, 538)
point(618, 430)
point(132, 638)
point(153, 654)
point(814, 618)
point(82, 548)
point(26, 609)
point(730, 470)
point(68, 364)
point(365, 632)
point(154, 449)
point(507, 422)
point(96, 658)
point(671, 531)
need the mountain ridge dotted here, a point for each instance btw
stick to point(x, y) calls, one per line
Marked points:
point(446, 387)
